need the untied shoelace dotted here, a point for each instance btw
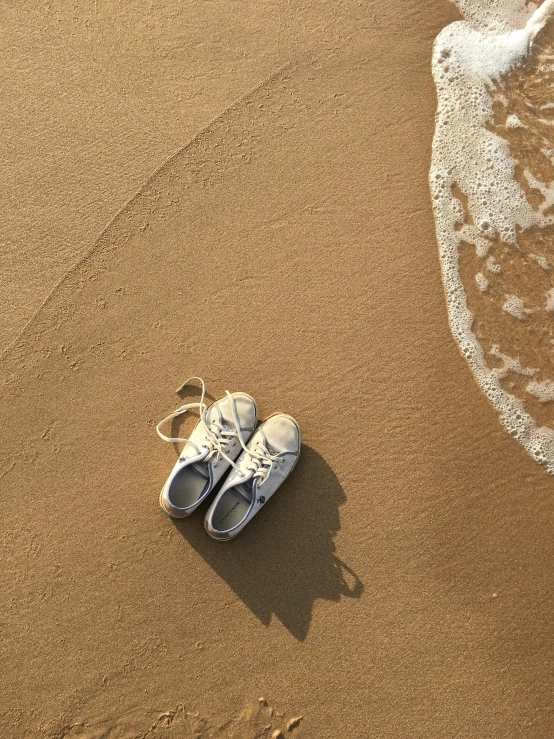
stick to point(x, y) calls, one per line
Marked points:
point(219, 437)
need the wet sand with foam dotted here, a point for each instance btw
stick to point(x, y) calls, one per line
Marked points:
point(492, 184)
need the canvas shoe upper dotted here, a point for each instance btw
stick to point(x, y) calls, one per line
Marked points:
point(214, 444)
point(267, 460)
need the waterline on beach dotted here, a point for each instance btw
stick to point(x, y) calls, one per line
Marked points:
point(492, 184)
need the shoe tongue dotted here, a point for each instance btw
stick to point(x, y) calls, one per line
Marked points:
point(214, 414)
point(270, 449)
point(246, 489)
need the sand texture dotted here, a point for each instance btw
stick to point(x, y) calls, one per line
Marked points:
point(399, 586)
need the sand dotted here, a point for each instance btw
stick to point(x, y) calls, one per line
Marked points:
point(400, 584)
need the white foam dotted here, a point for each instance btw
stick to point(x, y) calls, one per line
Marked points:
point(512, 121)
point(544, 391)
point(509, 365)
point(493, 266)
point(546, 192)
point(542, 261)
point(550, 300)
point(482, 282)
point(516, 307)
point(495, 15)
point(467, 59)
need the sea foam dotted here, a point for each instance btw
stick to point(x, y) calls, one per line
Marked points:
point(492, 186)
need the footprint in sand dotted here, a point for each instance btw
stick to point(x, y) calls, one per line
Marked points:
point(256, 720)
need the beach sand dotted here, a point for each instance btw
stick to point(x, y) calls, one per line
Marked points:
point(399, 585)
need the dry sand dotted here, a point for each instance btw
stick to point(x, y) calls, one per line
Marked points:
point(400, 585)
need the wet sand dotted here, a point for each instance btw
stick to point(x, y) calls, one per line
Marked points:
point(400, 584)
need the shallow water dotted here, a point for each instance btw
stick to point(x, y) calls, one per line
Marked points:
point(492, 183)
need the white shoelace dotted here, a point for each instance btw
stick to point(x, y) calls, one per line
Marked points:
point(261, 462)
point(219, 438)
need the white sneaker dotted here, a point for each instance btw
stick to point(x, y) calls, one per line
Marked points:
point(267, 461)
point(217, 440)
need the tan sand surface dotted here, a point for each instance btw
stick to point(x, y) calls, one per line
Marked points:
point(95, 96)
point(400, 584)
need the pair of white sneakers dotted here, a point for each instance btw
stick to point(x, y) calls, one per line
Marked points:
point(227, 429)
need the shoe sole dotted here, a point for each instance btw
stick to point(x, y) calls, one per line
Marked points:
point(189, 513)
point(229, 538)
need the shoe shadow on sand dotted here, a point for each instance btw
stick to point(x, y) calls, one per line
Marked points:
point(285, 558)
